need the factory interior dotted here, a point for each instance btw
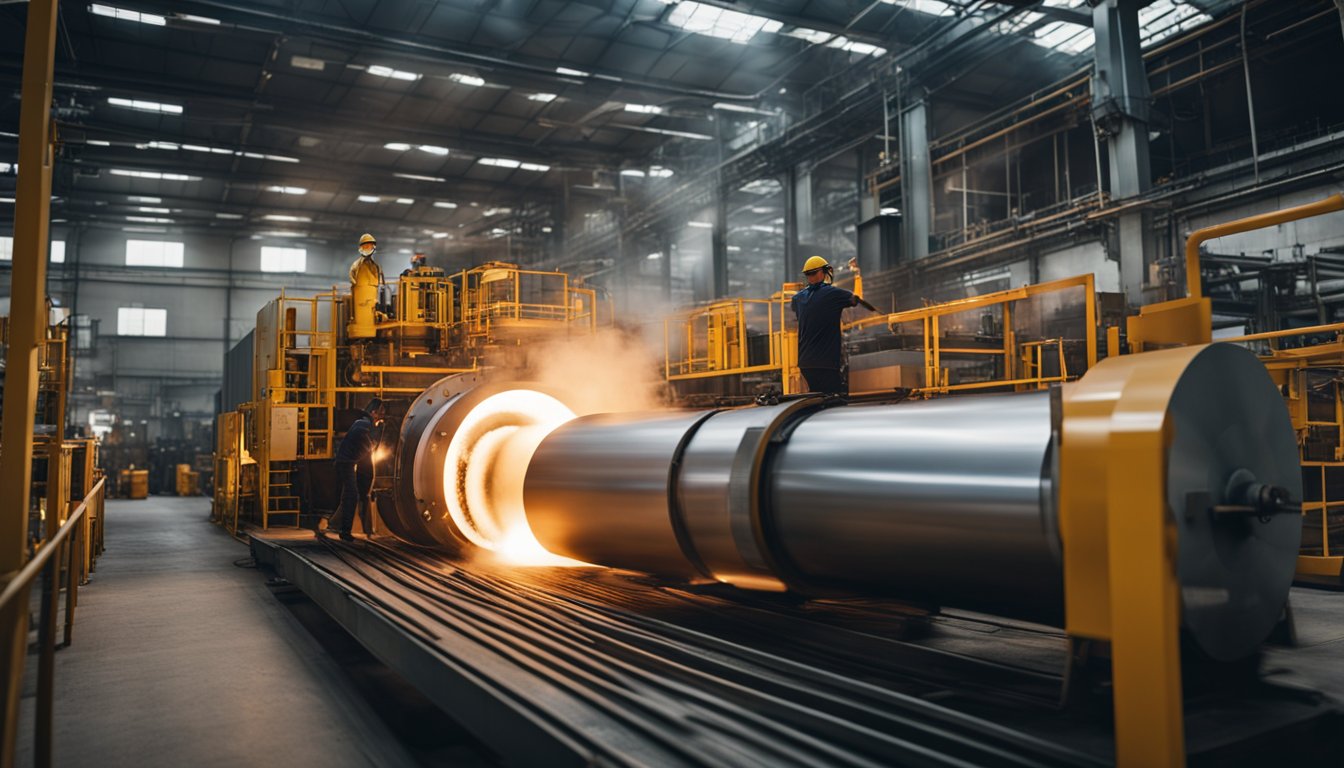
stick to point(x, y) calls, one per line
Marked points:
point(672, 383)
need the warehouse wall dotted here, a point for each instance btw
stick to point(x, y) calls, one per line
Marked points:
point(211, 303)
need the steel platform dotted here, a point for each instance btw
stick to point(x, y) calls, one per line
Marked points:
point(590, 666)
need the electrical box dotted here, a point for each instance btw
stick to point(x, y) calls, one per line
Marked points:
point(284, 433)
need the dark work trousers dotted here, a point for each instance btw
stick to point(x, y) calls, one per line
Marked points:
point(825, 380)
point(355, 485)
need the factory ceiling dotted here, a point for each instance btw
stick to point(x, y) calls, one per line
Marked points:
point(305, 117)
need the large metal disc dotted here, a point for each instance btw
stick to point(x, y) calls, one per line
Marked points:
point(1227, 417)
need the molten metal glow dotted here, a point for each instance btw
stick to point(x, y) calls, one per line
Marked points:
point(484, 468)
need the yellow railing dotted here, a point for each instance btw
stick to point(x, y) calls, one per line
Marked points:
point(67, 544)
point(716, 340)
point(1025, 357)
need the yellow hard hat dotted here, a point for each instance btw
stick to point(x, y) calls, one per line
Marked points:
point(367, 239)
point(814, 262)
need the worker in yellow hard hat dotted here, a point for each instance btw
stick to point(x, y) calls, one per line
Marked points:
point(368, 244)
point(818, 308)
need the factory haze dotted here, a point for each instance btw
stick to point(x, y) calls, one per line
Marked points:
point(672, 383)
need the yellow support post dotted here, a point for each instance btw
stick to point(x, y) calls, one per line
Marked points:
point(27, 329)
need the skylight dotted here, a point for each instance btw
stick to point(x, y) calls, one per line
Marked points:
point(146, 106)
point(931, 7)
point(1165, 18)
point(433, 150)
point(720, 22)
point(123, 14)
point(1065, 36)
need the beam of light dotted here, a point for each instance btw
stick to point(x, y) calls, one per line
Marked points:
point(484, 468)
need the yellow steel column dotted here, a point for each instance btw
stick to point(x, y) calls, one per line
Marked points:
point(28, 322)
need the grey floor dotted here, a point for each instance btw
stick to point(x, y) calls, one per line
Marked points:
point(181, 658)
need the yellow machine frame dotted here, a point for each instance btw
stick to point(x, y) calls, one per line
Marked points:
point(722, 327)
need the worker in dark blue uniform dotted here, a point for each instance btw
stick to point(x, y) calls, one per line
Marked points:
point(354, 470)
point(818, 308)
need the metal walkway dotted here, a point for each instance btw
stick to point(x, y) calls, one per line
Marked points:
point(583, 666)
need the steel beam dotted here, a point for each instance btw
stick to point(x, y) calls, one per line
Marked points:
point(1121, 110)
point(916, 182)
point(27, 329)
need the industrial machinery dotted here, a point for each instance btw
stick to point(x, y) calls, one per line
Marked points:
point(1158, 495)
point(315, 361)
point(737, 348)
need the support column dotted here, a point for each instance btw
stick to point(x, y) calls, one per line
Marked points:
point(719, 244)
point(1121, 109)
point(916, 182)
point(791, 258)
point(28, 321)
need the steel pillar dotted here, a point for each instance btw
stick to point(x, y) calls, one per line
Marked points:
point(916, 182)
point(1121, 109)
point(719, 244)
point(28, 321)
point(790, 256)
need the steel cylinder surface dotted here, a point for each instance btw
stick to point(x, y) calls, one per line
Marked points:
point(946, 501)
point(597, 490)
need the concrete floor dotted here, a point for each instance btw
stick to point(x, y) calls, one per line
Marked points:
point(181, 658)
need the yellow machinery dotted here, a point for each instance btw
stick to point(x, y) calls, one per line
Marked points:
point(734, 348)
point(739, 347)
point(317, 360)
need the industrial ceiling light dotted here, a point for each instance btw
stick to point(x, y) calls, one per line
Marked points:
point(538, 167)
point(305, 62)
point(146, 106)
point(148, 220)
point(153, 175)
point(397, 146)
point(644, 109)
point(396, 74)
point(417, 177)
point(472, 80)
point(142, 199)
point(444, 204)
point(112, 12)
point(433, 150)
point(287, 190)
point(286, 218)
point(439, 235)
point(151, 209)
point(700, 224)
point(542, 97)
point(499, 162)
point(404, 201)
point(572, 72)
point(98, 143)
point(369, 198)
point(230, 216)
point(191, 18)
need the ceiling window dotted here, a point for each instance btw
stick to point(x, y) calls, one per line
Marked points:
point(276, 259)
point(57, 251)
point(142, 321)
point(6, 249)
point(719, 22)
point(153, 253)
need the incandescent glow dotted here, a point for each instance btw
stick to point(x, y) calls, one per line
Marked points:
point(484, 468)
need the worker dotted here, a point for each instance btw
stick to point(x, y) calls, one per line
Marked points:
point(818, 308)
point(354, 470)
point(417, 261)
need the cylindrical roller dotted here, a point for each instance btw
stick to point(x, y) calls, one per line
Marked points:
point(943, 501)
point(597, 490)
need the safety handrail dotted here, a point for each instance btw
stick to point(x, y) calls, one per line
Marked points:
point(19, 584)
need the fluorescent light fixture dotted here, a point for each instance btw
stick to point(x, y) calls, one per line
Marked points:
point(396, 74)
point(496, 211)
point(145, 230)
point(280, 233)
point(153, 175)
point(719, 22)
point(287, 190)
point(500, 162)
point(404, 201)
point(633, 172)
point(7, 200)
point(112, 12)
point(417, 177)
point(572, 72)
point(151, 209)
point(146, 106)
point(472, 80)
point(654, 256)
point(669, 132)
point(440, 235)
point(444, 204)
point(230, 216)
point(889, 212)
point(542, 97)
point(700, 224)
point(433, 150)
point(397, 146)
point(813, 36)
point(854, 46)
point(148, 220)
point(9, 167)
point(538, 167)
point(197, 19)
point(140, 199)
point(98, 143)
point(546, 230)
point(659, 172)
point(305, 62)
point(497, 231)
point(168, 145)
point(734, 249)
point(644, 109)
point(285, 217)
point(727, 106)
point(369, 199)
